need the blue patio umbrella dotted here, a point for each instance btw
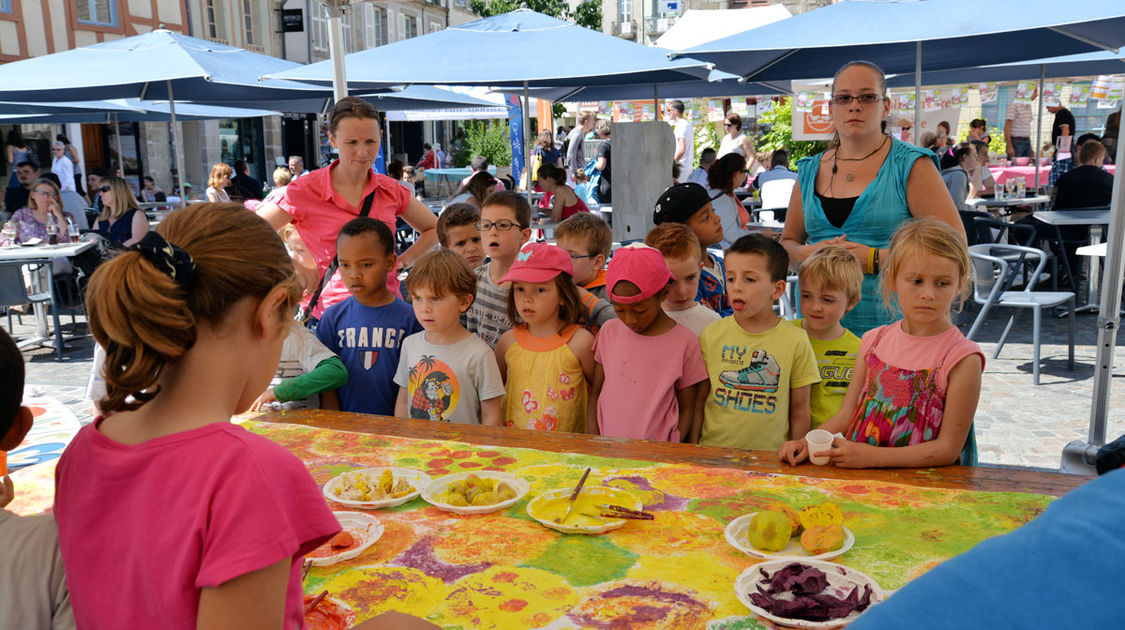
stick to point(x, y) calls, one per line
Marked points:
point(891, 33)
point(1085, 64)
point(509, 50)
point(156, 65)
point(119, 110)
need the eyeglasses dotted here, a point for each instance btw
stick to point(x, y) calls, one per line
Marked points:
point(44, 193)
point(503, 225)
point(104, 189)
point(574, 258)
point(862, 99)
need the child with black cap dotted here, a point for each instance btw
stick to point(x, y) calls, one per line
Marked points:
point(690, 204)
point(647, 366)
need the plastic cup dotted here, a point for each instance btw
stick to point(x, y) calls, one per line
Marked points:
point(820, 443)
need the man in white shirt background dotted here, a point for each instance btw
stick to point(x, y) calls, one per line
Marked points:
point(685, 137)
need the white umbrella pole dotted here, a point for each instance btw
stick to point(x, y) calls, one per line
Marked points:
point(120, 155)
point(526, 153)
point(177, 163)
point(1078, 456)
point(917, 93)
point(336, 48)
point(1039, 130)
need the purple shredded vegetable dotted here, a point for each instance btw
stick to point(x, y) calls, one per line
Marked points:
point(808, 602)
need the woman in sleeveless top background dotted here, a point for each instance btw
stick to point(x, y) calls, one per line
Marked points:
point(860, 190)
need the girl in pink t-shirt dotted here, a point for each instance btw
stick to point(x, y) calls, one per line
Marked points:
point(169, 516)
point(917, 381)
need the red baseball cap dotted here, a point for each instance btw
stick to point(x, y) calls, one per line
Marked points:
point(539, 262)
point(642, 265)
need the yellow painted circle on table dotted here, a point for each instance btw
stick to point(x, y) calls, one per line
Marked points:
point(671, 534)
point(642, 605)
point(376, 590)
point(711, 581)
point(506, 597)
point(476, 539)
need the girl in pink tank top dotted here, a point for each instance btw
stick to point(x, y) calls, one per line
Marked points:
point(917, 381)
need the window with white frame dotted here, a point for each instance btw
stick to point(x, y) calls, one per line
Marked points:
point(319, 23)
point(96, 12)
point(248, 21)
point(214, 26)
point(461, 3)
point(409, 26)
point(435, 27)
point(378, 27)
point(624, 10)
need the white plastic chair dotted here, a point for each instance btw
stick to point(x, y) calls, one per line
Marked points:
point(991, 268)
point(776, 194)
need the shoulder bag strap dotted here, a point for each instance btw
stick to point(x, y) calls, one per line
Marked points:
point(303, 317)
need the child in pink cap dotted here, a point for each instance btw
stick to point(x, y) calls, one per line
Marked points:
point(547, 358)
point(647, 366)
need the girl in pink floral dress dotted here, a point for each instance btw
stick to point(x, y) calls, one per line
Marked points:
point(917, 381)
point(548, 358)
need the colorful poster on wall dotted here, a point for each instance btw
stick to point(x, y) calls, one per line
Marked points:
point(959, 95)
point(1025, 92)
point(1116, 88)
point(648, 112)
point(930, 100)
point(904, 103)
point(764, 105)
point(624, 111)
point(1079, 93)
point(605, 110)
point(804, 100)
point(989, 92)
point(813, 122)
point(1052, 94)
point(715, 111)
point(739, 106)
point(1100, 88)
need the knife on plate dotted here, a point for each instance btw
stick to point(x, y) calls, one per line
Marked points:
point(574, 495)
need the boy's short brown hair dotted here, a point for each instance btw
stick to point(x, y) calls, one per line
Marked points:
point(513, 201)
point(777, 259)
point(675, 240)
point(455, 215)
point(443, 272)
point(836, 269)
point(590, 229)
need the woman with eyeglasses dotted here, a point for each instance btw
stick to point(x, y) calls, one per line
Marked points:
point(320, 202)
point(44, 210)
point(862, 188)
point(735, 141)
point(726, 174)
point(121, 219)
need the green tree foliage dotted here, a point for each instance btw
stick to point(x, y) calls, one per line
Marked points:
point(484, 137)
point(588, 14)
point(779, 122)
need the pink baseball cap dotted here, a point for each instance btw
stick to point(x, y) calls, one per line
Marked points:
point(642, 265)
point(539, 262)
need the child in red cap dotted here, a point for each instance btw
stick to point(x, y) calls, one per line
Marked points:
point(647, 366)
point(547, 358)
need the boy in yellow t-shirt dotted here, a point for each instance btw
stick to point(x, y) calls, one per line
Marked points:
point(760, 368)
point(830, 282)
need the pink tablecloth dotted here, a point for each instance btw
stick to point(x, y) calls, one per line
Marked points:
point(1003, 173)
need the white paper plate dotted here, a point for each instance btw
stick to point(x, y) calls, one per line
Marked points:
point(365, 527)
point(417, 478)
point(736, 535)
point(613, 496)
point(841, 581)
point(437, 486)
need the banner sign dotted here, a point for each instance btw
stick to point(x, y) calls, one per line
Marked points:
point(810, 116)
point(515, 129)
point(989, 92)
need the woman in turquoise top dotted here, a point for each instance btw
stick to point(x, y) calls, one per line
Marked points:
point(859, 191)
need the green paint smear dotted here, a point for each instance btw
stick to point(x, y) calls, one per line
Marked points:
point(570, 557)
point(738, 623)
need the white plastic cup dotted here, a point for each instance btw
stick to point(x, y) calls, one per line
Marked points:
point(820, 444)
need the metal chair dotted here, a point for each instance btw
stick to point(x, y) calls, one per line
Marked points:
point(991, 269)
point(13, 292)
point(992, 230)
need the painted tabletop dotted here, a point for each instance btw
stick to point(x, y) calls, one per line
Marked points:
point(504, 570)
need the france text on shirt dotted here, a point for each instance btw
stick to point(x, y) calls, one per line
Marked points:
point(378, 337)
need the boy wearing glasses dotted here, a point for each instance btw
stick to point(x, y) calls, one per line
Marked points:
point(588, 240)
point(505, 225)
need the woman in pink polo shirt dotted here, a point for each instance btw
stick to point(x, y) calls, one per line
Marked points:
point(319, 204)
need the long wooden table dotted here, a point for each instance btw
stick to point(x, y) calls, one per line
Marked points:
point(503, 570)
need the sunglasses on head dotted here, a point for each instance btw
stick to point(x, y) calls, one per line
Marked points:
point(104, 189)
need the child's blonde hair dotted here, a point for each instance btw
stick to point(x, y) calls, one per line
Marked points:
point(590, 229)
point(836, 269)
point(443, 272)
point(674, 240)
point(932, 237)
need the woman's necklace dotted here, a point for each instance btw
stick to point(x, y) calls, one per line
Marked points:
point(851, 176)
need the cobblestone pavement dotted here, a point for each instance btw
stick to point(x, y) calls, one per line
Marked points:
point(1017, 423)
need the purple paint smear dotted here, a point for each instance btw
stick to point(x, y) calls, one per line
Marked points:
point(670, 502)
point(421, 557)
point(641, 613)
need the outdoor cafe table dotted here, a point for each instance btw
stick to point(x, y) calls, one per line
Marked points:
point(1095, 219)
point(1003, 173)
point(46, 254)
point(1007, 203)
point(504, 570)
